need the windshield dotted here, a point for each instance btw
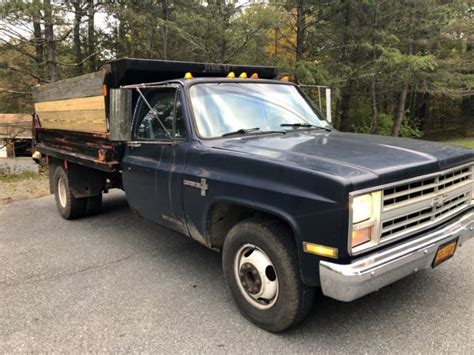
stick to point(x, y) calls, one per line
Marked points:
point(222, 108)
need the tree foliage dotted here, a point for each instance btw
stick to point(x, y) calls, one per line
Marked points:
point(396, 67)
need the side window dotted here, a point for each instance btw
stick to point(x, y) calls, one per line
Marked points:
point(164, 110)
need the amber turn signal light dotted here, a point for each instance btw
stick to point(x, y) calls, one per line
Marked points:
point(320, 250)
point(361, 236)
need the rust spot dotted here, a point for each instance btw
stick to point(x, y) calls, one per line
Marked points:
point(102, 156)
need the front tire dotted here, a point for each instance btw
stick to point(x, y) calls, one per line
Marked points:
point(68, 206)
point(260, 265)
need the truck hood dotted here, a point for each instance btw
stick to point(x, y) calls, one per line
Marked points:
point(360, 158)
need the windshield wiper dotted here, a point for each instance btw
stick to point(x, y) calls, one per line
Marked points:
point(241, 131)
point(299, 124)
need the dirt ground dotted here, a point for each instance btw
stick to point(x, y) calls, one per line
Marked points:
point(13, 166)
point(23, 188)
point(21, 179)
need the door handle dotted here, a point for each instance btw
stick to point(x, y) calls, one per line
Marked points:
point(134, 144)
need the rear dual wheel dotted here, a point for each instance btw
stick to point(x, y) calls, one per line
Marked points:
point(70, 207)
point(261, 268)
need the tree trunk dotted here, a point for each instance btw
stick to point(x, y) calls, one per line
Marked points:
point(91, 36)
point(373, 99)
point(300, 29)
point(121, 33)
point(50, 42)
point(38, 38)
point(77, 36)
point(467, 109)
point(400, 113)
point(164, 6)
point(373, 83)
point(346, 97)
point(397, 123)
point(275, 52)
point(222, 13)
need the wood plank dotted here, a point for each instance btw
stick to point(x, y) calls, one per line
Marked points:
point(15, 117)
point(81, 104)
point(83, 121)
point(15, 125)
point(79, 86)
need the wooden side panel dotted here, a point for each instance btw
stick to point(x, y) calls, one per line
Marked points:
point(80, 86)
point(86, 103)
point(14, 125)
point(84, 114)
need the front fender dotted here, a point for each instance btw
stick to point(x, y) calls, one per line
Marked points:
point(313, 206)
point(308, 263)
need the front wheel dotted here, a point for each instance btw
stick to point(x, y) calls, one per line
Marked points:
point(261, 268)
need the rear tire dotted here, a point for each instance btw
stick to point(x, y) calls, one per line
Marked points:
point(94, 205)
point(266, 250)
point(68, 206)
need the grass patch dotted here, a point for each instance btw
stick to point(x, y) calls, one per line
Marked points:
point(463, 142)
point(19, 177)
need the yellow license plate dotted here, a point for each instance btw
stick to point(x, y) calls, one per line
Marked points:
point(445, 252)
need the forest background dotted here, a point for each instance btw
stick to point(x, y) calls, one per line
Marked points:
point(402, 68)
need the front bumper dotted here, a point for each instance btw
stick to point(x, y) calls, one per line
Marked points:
point(370, 273)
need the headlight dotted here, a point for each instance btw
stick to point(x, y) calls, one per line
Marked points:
point(362, 207)
point(365, 223)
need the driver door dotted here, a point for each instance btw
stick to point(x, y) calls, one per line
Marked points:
point(153, 162)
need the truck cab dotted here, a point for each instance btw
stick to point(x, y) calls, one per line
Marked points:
point(251, 167)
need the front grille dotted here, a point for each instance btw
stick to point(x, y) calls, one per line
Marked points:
point(425, 202)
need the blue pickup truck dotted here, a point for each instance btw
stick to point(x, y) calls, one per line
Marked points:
point(247, 165)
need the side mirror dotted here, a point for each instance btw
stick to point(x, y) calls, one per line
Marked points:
point(120, 115)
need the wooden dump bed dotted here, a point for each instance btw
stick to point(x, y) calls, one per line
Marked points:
point(76, 104)
point(81, 104)
point(72, 120)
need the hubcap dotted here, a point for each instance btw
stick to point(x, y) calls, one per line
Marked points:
point(256, 276)
point(62, 192)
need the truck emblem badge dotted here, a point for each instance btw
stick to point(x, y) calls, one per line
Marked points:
point(200, 185)
point(439, 201)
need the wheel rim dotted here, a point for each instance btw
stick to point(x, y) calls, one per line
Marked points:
point(256, 276)
point(62, 192)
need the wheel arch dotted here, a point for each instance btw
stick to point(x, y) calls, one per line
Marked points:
point(223, 214)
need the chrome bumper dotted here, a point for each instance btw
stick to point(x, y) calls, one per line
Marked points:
point(370, 273)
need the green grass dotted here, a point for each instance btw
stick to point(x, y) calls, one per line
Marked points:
point(463, 142)
point(19, 177)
